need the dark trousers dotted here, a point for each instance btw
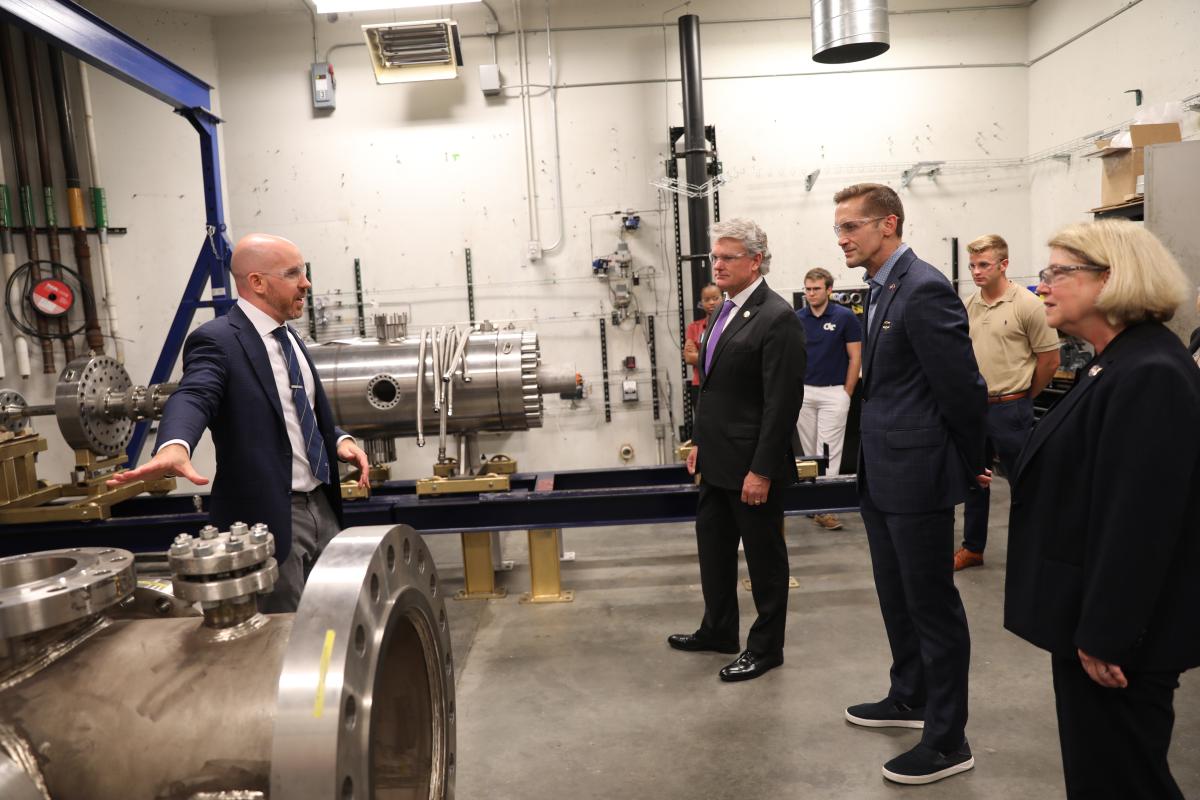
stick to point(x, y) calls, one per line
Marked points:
point(722, 519)
point(313, 525)
point(1115, 741)
point(912, 556)
point(1008, 425)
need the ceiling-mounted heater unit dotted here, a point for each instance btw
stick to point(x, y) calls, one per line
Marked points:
point(414, 51)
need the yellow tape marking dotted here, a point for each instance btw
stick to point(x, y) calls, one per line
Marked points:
point(326, 655)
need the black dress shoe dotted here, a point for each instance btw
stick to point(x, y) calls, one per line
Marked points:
point(748, 666)
point(695, 644)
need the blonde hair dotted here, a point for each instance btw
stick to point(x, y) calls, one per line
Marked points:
point(990, 241)
point(1144, 279)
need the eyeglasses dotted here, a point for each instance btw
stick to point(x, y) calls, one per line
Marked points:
point(294, 274)
point(1055, 272)
point(851, 225)
point(715, 257)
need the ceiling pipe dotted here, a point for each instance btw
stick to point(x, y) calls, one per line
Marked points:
point(845, 31)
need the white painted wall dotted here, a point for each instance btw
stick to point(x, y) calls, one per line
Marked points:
point(406, 177)
point(1079, 90)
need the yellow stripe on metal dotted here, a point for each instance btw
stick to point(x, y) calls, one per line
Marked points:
point(326, 656)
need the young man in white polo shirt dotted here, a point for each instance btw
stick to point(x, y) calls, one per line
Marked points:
point(1017, 354)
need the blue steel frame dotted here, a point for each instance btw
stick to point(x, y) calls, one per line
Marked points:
point(570, 499)
point(81, 33)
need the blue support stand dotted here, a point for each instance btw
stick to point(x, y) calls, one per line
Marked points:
point(76, 30)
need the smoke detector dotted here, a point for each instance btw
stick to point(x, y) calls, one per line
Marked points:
point(414, 51)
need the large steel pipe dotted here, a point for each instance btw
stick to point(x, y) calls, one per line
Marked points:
point(496, 383)
point(351, 697)
point(696, 151)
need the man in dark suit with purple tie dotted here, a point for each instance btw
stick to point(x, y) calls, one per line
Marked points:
point(247, 377)
point(751, 363)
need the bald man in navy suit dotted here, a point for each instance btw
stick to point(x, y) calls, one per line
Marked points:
point(247, 377)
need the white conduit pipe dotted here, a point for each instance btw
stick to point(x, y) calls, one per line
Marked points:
point(107, 293)
point(20, 343)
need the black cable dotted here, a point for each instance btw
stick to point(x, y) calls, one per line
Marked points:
point(24, 274)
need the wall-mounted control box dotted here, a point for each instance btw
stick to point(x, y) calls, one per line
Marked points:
point(323, 85)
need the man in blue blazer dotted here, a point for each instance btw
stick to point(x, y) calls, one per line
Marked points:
point(248, 378)
point(921, 451)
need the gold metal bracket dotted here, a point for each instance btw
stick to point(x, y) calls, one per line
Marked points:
point(467, 484)
point(500, 464)
point(479, 575)
point(352, 491)
point(545, 578)
point(446, 469)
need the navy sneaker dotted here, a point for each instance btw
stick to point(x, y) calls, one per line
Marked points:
point(886, 713)
point(923, 764)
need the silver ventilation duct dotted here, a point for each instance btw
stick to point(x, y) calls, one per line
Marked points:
point(844, 31)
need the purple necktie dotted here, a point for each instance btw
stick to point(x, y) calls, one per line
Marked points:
point(718, 327)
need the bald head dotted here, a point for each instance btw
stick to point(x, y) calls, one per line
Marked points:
point(262, 252)
point(269, 273)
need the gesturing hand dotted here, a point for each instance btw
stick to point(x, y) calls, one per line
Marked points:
point(168, 461)
point(349, 451)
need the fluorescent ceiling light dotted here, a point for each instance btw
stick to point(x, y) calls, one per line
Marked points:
point(346, 6)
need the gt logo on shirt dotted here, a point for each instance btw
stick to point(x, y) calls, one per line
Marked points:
point(829, 326)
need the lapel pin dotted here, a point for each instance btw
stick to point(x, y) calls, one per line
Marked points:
point(891, 287)
point(1094, 371)
point(746, 314)
point(887, 324)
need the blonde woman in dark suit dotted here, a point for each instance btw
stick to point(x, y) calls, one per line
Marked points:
point(1104, 534)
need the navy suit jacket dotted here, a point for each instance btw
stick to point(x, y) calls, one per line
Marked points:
point(1104, 532)
point(924, 401)
point(749, 402)
point(228, 387)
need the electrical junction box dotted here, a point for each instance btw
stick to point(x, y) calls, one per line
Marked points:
point(323, 85)
point(629, 393)
point(489, 79)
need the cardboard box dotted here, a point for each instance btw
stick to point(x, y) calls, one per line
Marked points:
point(1121, 166)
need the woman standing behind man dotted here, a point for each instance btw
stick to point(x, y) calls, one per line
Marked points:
point(1104, 535)
point(710, 298)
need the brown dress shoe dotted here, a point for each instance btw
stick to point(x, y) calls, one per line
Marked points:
point(829, 522)
point(964, 558)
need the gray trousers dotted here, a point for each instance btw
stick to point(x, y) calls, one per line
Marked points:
point(313, 526)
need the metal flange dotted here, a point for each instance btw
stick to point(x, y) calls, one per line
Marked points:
point(80, 401)
point(366, 695)
point(39, 591)
point(219, 566)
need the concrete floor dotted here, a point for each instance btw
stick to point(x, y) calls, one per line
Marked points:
point(585, 700)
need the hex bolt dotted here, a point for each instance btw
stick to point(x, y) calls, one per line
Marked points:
point(181, 548)
point(238, 529)
point(234, 546)
point(202, 550)
point(183, 538)
point(258, 537)
point(209, 532)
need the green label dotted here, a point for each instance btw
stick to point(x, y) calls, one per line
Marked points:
point(27, 206)
point(48, 201)
point(99, 207)
point(5, 207)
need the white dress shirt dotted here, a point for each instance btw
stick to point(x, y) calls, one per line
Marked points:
point(303, 479)
point(741, 297)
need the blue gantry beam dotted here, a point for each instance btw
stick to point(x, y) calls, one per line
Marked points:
point(76, 30)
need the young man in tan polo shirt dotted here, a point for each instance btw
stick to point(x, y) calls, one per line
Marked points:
point(1017, 354)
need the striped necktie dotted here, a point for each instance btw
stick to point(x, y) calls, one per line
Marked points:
point(314, 443)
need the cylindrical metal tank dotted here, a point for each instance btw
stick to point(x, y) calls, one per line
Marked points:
point(497, 383)
point(844, 31)
point(351, 697)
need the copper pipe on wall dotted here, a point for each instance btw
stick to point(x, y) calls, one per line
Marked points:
point(83, 254)
point(28, 218)
point(43, 146)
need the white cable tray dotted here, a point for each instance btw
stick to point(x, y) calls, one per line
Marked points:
point(688, 189)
